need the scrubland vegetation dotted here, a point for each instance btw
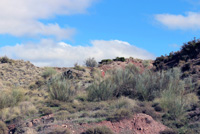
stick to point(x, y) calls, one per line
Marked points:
point(163, 92)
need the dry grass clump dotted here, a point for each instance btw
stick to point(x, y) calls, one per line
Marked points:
point(101, 90)
point(98, 130)
point(49, 72)
point(61, 89)
point(124, 102)
point(59, 130)
point(24, 109)
point(176, 104)
point(10, 98)
point(3, 128)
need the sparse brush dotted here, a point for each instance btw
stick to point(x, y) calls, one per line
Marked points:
point(5, 59)
point(101, 91)
point(10, 98)
point(27, 108)
point(120, 114)
point(45, 110)
point(78, 67)
point(49, 71)
point(147, 85)
point(98, 130)
point(91, 62)
point(124, 79)
point(59, 130)
point(124, 102)
point(174, 97)
point(3, 128)
point(146, 63)
point(61, 89)
point(24, 109)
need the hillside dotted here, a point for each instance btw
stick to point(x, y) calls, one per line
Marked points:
point(19, 73)
point(188, 59)
point(122, 96)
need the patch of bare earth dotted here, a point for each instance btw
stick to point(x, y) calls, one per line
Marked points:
point(138, 124)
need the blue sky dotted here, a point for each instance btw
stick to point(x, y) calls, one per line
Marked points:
point(62, 32)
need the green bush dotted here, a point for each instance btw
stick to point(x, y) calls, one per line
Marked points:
point(106, 61)
point(124, 79)
point(119, 59)
point(98, 130)
point(49, 71)
point(147, 85)
point(91, 62)
point(61, 89)
point(5, 59)
point(101, 91)
point(10, 98)
point(151, 84)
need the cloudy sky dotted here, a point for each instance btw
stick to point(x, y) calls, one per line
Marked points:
point(64, 32)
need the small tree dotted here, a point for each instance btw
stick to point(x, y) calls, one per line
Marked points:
point(90, 62)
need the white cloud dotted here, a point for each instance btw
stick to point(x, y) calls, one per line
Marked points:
point(21, 17)
point(190, 21)
point(50, 53)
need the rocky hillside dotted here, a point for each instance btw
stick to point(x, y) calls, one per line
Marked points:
point(18, 73)
point(123, 96)
point(188, 59)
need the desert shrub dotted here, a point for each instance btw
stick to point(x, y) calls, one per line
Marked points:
point(120, 114)
point(124, 79)
point(78, 67)
point(124, 102)
point(27, 108)
point(61, 89)
point(168, 131)
point(151, 84)
point(100, 113)
point(101, 91)
point(3, 128)
point(5, 59)
point(17, 113)
point(49, 71)
point(91, 62)
point(172, 91)
point(45, 110)
point(145, 63)
point(176, 102)
point(59, 131)
point(119, 59)
point(98, 130)
point(106, 61)
point(133, 69)
point(147, 85)
point(53, 103)
point(10, 98)
point(61, 115)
